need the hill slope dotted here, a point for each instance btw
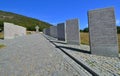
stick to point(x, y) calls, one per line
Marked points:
point(21, 20)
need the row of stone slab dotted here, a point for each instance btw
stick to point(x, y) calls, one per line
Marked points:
point(68, 31)
point(102, 32)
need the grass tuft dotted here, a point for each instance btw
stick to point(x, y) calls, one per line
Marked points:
point(2, 46)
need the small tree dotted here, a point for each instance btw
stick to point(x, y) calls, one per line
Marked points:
point(86, 29)
point(118, 29)
point(1, 26)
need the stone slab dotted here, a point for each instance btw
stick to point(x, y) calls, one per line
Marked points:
point(72, 31)
point(11, 31)
point(44, 30)
point(53, 31)
point(61, 31)
point(103, 35)
point(47, 31)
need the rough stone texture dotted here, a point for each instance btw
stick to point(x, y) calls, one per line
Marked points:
point(11, 31)
point(47, 31)
point(20, 31)
point(102, 65)
point(61, 31)
point(103, 36)
point(33, 55)
point(72, 31)
point(53, 31)
point(44, 31)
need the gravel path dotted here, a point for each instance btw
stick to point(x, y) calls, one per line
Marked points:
point(33, 55)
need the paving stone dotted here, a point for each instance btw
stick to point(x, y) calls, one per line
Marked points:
point(102, 65)
point(33, 55)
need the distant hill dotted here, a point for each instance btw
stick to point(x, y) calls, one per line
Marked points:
point(21, 20)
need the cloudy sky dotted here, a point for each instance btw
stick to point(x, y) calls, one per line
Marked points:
point(57, 11)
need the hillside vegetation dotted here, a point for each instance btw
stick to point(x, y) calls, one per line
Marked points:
point(21, 20)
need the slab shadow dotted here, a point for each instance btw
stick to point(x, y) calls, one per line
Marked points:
point(1, 38)
point(61, 42)
point(75, 49)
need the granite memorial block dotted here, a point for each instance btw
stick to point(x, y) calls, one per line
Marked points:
point(61, 31)
point(44, 30)
point(20, 31)
point(53, 31)
point(47, 32)
point(72, 32)
point(8, 30)
point(103, 35)
point(11, 31)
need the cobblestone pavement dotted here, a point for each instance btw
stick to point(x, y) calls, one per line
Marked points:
point(33, 55)
point(103, 66)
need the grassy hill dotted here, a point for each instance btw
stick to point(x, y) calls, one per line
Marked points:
point(21, 20)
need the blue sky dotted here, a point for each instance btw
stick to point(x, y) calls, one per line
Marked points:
point(57, 11)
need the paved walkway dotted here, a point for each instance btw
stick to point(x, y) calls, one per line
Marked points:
point(101, 65)
point(33, 55)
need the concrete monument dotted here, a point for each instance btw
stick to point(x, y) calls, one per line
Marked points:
point(103, 35)
point(61, 31)
point(72, 32)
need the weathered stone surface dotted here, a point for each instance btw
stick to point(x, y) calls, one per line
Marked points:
point(47, 31)
point(61, 31)
point(12, 31)
point(53, 31)
point(33, 55)
point(20, 31)
point(103, 36)
point(72, 31)
point(44, 31)
point(101, 65)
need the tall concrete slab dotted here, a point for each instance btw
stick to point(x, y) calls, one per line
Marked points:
point(72, 32)
point(61, 31)
point(103, 35)
point(11, 31)
point(47, 31)
point(53, 31)
point(20, 31)
point(44, 30)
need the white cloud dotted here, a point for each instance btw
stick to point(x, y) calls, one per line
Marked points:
point(117, 22)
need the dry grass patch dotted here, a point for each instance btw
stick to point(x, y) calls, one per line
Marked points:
point(85, 39)
point(28, 32)
point(1, 35)
point(1, 46)
point(119, 42)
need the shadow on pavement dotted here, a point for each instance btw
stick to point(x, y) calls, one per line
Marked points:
point(75, 49)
